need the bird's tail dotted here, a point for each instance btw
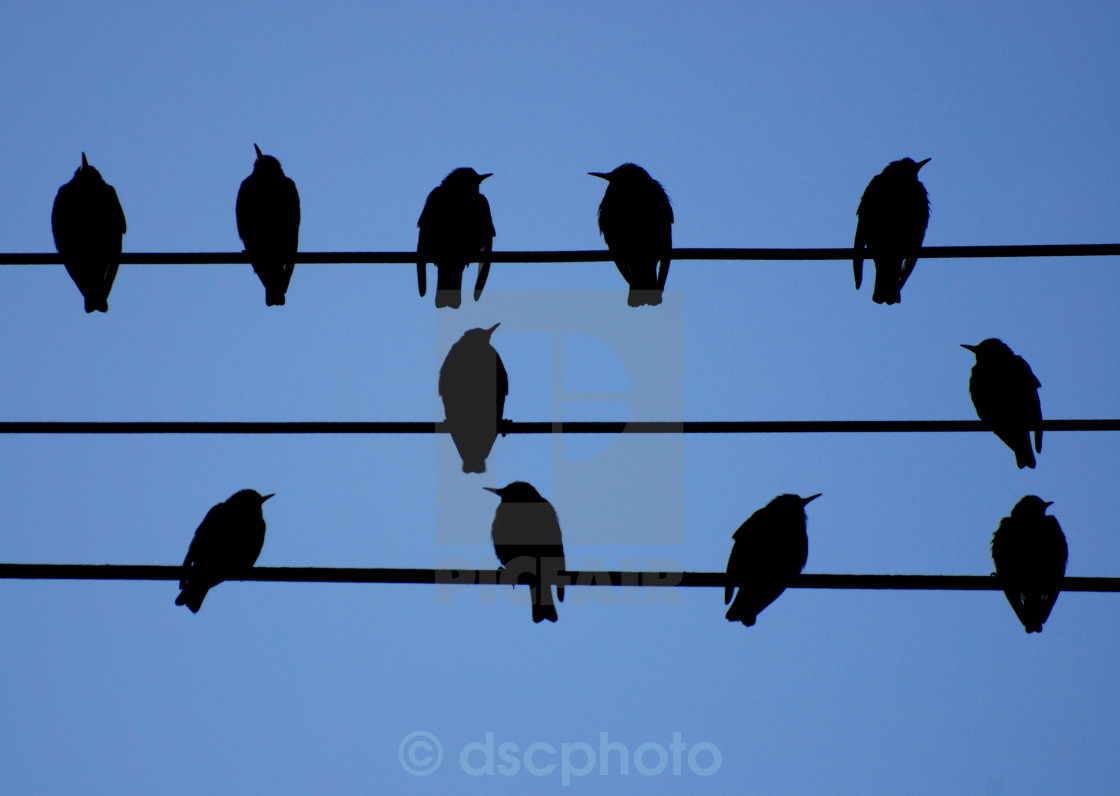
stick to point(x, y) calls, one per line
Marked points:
point(643, 298)
point(474, 465)
point(273, 297)
point(1024, 457)
point(887, 282)
point(449, 285)
point(192, 598)
point(543, 607)
point(736, 614)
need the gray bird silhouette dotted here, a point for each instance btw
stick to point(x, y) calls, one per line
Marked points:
point(770, 548)
point(268, 223)
point(473, 385)
point(893, 215)
point(526, 536)
point(88, 225)
point(636, 220)
point(227, 542)
point(1030, 554)
point(1004, 391)
point(455, 230)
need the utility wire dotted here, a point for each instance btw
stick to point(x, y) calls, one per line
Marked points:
point(594, 256)
point(531, 427)
point(467, 577)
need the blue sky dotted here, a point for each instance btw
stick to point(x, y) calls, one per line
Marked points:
point(764, 122)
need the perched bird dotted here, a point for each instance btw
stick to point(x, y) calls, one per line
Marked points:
point(474, 385)
point(268, 223)
point(893, 215)
point(455, 230)
point(1005, 394)
point(526, 535)
point(1030, 554)
point(88, 224)
point(636, 220)
point(770, 548)
point(227, 542)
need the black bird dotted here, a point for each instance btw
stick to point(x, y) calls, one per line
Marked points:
point(526, 535)
point(455, 230)
point(88, 225)
point(474, 385)
point(770, 548)
point(1030, 554)
point(227, 542)
point(893, 215)
point(1005, 393)
point(636, 220)
point(268, 223)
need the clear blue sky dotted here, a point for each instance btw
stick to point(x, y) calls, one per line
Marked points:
point(764, 121)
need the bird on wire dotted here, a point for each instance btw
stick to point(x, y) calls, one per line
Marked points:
point(88, 225)
point(1004, 391)
point(473, 385)
point(1030, 554)
point(455, 230)
point(770, 549)
point(636, 220)
point(527, 541)
point(892, 218)
point(226, 543)
point(268, 223)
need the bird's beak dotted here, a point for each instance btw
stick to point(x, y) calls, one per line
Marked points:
point(266, 497)
point(482, 177)
point(84, 163)
point(600, 175)
point(971, 348)
point(1048, 504)
point(921, 163)
point(490, 331)
point(810, 499)
point(497, 492)
point(258, 150)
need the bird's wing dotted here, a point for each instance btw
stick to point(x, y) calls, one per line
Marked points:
point(243, 209)
point(857, 261)
point(483, 270)
point(120, 224)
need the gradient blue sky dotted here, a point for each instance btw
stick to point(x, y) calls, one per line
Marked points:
point(764, 121)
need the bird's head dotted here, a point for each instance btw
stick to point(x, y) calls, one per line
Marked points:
point(464, 179)
point(517, 492)
point(250, 497)
point(478, 336)
point(793, 503)
point(627, 172)
point(86, 171)
point(1031, 506)
point(905, 167)
point(266, 163)
point(986, 349)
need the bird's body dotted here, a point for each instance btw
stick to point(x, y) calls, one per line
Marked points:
point(473, 385)
point(1030, 554)
point(636, 220)
point(226, 543)
point(268, 223)
point(770, 548)
point(1004, 391)
point(893, 215)
point(88, 225)
point(527, 541)
point(456, 229)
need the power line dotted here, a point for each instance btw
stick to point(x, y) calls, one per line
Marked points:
point(593, 256)
point(467, 577)
point(532, 427)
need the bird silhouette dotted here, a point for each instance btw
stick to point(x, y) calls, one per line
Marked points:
point(893, 215)
point(526, 536)
point(227, 542)
point(636, 220)
point(455, 230)
point(474, 385)
point(770, 548)
point(1030, 554)
point(1005, 393)
point(88, 225)
point(268, 223)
